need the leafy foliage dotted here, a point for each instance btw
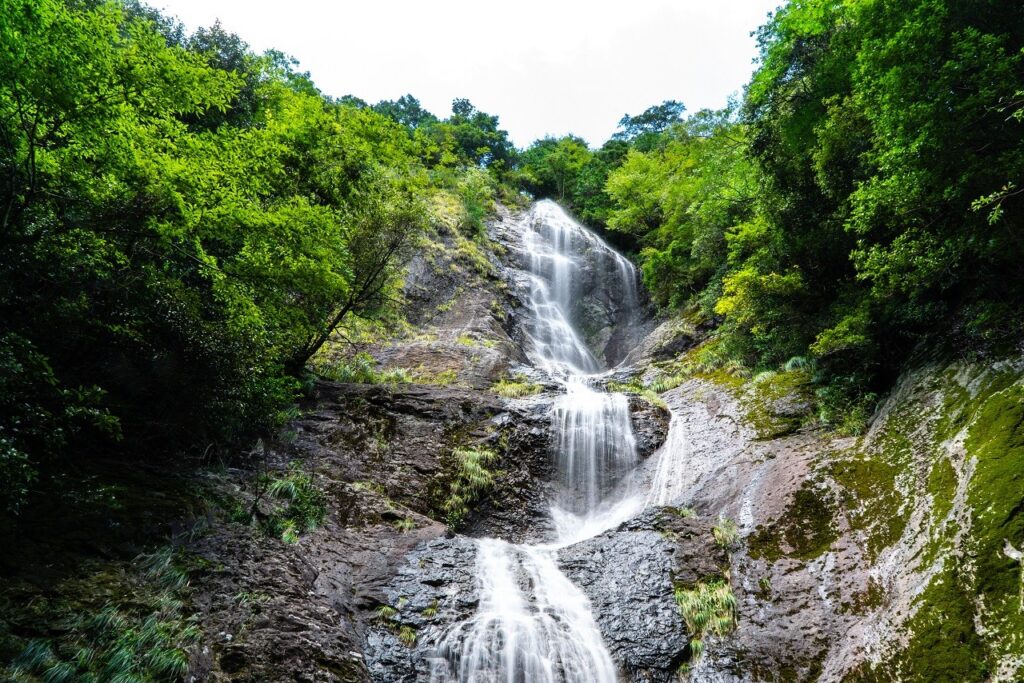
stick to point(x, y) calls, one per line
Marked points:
point(863, 198)
point(184, 224)
point(726, 533)
point(297, 503)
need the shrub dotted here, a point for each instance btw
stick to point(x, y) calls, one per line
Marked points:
point(299, 504)
point(361, 369)
point(407, 634)
point(405, 525)
point(146, 640)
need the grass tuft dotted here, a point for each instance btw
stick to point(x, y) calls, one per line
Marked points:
point(726, 534)
point(516, 386)
point(708, 608)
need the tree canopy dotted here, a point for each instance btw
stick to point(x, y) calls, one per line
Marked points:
point(184, 222)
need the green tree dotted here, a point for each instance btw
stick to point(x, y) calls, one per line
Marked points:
point(406, 110)
point(182, 249)
point(644, 130)
point(552, 166)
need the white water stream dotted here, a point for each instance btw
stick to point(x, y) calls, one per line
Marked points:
point(532, 624)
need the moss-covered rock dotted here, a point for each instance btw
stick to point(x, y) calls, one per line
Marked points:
point(804, 531)
point(778, 403)
point(959, 442)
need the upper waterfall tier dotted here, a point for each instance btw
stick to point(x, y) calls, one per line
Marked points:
point(583, 294)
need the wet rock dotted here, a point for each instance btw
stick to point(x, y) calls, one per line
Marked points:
point(517, 509)
point(275, 612)
point(847, 545)
point(630, 573)
point(650, 425)
point(432, 588)
point(666, 339)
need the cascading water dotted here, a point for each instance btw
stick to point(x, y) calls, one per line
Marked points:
point(569, 266)
point(670, 477)
point(595, 443)
point(551, 638)
point(532, 623)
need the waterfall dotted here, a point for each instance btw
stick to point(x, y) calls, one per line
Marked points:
point(549, 639)
point(569, 265)
point(670, 476)
point(595, 446)
point(532, 624)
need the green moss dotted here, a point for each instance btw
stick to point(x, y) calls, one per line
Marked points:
point(874, 504)
point(637, 389)
point(472, 254)
point(944, 645)
point(867, 600)
point(763, 396)
point(440, 378)
point(942, 481)
point(724, 378)
point(996, 495)
point(804, 531)
point(980, 585)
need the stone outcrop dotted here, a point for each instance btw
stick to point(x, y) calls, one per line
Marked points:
point(875, 558)
point(630, 574)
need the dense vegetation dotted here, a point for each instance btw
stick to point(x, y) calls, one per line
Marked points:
point(186, 222)
point(863, 198)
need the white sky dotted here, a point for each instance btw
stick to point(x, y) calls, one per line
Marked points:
point(543, 66)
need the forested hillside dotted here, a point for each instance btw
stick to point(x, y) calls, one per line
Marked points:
point(186, 223)
point(238, 313)
point(862, 202)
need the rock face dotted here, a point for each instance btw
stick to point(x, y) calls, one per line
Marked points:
point(650, 425)
point(368, 594)
point(433, 586)
point(877, 558)
point(630, 574)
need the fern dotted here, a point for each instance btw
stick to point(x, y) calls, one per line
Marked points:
point(471, 480)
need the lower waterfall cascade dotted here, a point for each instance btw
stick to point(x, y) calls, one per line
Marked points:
point(532, 624)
